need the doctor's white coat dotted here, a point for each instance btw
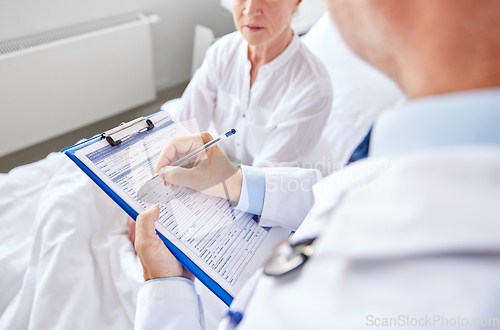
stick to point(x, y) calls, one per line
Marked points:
point(397, 246)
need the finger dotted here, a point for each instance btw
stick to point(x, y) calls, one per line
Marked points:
point(179, 176)
point(166, 173)
point(131, 224)
point(167, 156)
point(145, 226)
point(131, 230)
point(178, 147)
point(198, 178)
point(206, 137)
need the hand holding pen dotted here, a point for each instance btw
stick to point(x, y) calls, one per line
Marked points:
point(211, 173)
point(204, 147)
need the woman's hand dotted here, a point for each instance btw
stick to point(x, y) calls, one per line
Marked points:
point(157, 261)
point(210, 172)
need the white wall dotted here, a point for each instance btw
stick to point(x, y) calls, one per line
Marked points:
point(172, 36)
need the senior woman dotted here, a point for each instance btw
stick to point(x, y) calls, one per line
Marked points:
point(263, 81)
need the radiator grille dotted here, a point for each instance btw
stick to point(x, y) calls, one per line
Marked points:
point(19, 44)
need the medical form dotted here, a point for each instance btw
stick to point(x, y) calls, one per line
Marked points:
point(226, 244)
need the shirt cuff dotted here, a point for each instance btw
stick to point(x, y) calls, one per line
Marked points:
point(253, 190)
point(182, 279)
point(175, 299)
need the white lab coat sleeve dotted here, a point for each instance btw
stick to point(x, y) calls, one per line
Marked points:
point(289, 196)
point(199, 99)
point(169, 305)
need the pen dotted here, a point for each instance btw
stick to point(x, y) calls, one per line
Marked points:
point(204, 147)
point(147, 186)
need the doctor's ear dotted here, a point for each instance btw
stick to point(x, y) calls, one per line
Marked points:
point(296, 7)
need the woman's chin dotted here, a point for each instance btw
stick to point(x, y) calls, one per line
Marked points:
point(255, 38)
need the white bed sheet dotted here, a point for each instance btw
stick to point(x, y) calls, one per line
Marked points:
point(65, 256)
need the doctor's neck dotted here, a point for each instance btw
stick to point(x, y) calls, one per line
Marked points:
point(428, 47)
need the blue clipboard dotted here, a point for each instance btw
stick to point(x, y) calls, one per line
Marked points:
point(178, 254)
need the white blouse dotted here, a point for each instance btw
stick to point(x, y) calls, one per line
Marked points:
point(279, 119)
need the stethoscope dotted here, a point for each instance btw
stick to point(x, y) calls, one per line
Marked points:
point(289, 256)
point(286, 258)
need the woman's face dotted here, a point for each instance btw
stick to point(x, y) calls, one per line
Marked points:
point(262, 22)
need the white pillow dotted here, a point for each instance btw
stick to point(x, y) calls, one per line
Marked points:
point(361, 93)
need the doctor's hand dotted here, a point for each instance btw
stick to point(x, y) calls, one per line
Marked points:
point(210, 172)
point(157, 261)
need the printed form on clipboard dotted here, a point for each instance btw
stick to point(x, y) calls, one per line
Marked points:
point(221, 246)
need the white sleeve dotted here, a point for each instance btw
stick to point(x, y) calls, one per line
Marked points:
point(169, 305)
point(199, 98)
point(289, 196)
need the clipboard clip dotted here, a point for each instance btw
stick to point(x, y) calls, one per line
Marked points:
point(107, 135)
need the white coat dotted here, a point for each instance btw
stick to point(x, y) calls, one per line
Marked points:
point(406, 238)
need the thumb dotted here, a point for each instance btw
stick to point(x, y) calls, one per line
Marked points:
point(145, 226)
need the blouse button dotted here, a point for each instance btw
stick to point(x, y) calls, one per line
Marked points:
point(243, 115)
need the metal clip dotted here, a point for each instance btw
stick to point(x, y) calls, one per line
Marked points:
point(107, 135)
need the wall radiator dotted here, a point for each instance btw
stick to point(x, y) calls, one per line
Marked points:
point(55, 82)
